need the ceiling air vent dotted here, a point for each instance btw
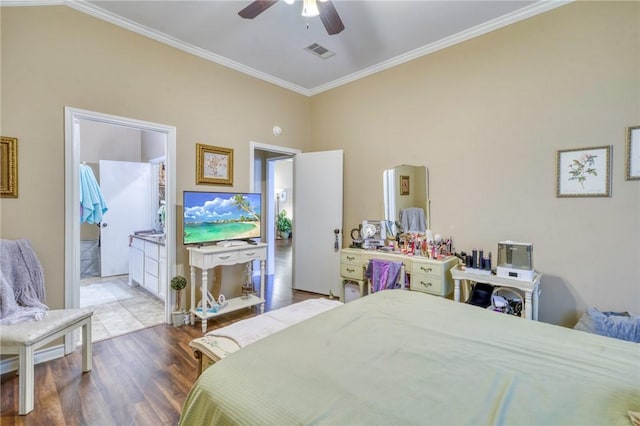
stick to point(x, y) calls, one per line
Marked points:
point(320, 51)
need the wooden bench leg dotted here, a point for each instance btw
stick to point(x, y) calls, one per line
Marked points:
point(25, 380)
point(86, 346)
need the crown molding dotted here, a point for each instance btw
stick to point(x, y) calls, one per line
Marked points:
point(511, 18)
point(104, 15)
point(503, 21)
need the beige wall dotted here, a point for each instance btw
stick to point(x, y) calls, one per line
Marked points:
point(54, 57)
point(487, 117)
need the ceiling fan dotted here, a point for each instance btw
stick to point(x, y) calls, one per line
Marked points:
point(323, 8)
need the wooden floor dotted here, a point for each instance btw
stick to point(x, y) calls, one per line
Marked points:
point(141, 378)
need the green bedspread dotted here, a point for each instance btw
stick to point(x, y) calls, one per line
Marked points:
point(401, 357)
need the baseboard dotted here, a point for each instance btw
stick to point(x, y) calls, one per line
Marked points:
point(43, 355)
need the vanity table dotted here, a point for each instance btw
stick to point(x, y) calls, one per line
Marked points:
point(206, 258)
point(426, 275)
point(531, 289)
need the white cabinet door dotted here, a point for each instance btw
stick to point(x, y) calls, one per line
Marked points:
point(136, 266)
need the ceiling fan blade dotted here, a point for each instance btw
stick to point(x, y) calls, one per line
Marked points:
point(329, 17)
point(256, 8)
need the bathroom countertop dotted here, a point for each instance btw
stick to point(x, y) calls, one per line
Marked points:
point(152, 238)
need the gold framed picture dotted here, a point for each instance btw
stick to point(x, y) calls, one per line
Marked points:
point(633, 153)
point(214, 165)
point(584, 172)
point(404, 185)
point(8, 167)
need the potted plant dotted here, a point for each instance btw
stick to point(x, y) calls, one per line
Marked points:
point(178, 283)
point(283, 224)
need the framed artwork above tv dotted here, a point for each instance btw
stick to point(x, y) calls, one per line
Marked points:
point(214, 165)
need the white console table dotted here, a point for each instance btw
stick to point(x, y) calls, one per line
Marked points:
point(208, 257)
point(531, 289)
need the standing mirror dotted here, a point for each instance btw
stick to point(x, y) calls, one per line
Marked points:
point(406, 198)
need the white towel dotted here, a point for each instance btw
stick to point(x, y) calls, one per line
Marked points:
point(413, 219)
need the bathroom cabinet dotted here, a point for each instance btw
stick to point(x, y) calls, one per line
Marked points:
point(147, 265)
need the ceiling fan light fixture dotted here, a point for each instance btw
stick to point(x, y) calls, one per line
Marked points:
point(310, 8)
point(289, 1)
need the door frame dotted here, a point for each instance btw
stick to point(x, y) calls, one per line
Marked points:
point(72, 200)
point(255, 183)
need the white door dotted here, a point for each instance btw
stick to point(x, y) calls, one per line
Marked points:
point(317, 213)
point(126, 188)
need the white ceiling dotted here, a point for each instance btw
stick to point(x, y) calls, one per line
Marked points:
point(379, 33)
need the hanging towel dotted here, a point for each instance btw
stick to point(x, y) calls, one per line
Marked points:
point(413, 219)
point(92, 203)
point(383, 274)
point(22, 293)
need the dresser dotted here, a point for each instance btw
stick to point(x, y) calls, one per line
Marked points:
point(425, 275)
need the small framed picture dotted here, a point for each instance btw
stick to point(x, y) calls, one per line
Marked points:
point(633, 153)
point(214, 165)
point(584, 172)
point(404, 185)
point(8, 167)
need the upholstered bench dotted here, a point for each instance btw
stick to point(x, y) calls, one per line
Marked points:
point(219, 343)
point(25, 337)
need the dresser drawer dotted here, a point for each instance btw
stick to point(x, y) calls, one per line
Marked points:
point(355, 272)
point(354, 259)
point(426, 283)
point(422, 267)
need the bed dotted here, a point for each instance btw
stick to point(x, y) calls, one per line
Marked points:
point(403, 357)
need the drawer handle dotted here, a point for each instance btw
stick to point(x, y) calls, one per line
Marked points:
point(426, 269)
point(224, 257)
point(425, 284)
point(350, 270)
point(351, 258)
point(250, 254)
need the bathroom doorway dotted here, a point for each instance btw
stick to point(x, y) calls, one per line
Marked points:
point(89, 138)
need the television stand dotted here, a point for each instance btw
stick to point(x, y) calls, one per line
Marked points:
point(206, 258)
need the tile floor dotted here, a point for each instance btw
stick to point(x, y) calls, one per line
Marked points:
point(118, 308)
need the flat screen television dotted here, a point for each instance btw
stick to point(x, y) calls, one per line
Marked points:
point(211, 217)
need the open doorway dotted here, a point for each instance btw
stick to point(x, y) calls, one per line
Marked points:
point(271, 175)
point(83, 131)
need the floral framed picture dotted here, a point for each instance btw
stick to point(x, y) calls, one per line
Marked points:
point(633, 153)
point(8, 167)
point(214, 165)
point(584, 172)
point(404, 185)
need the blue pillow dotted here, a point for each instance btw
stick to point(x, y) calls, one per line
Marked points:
point(620, 325)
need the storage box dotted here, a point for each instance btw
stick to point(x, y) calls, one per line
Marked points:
point(515, 260)
point(351, 292)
